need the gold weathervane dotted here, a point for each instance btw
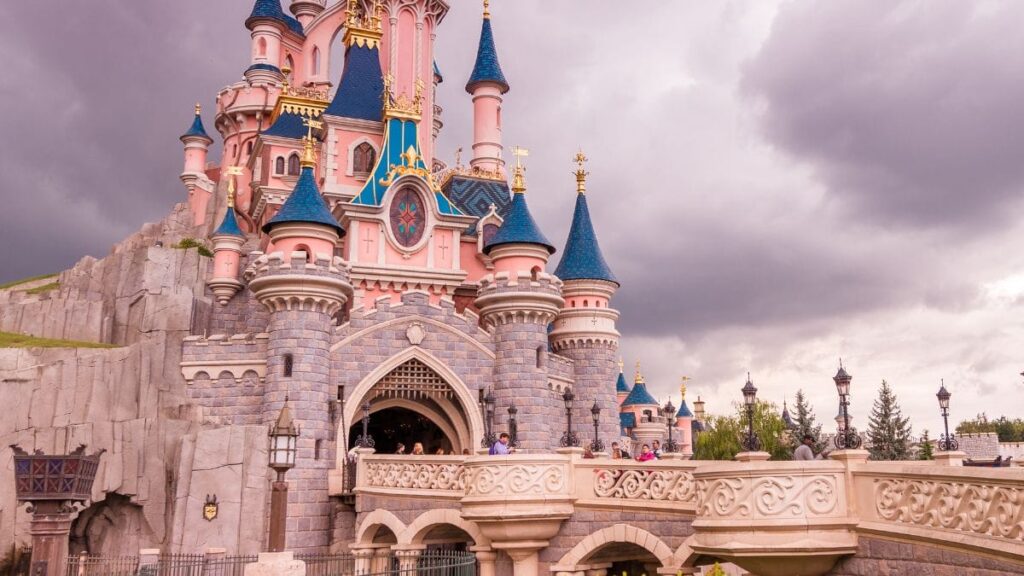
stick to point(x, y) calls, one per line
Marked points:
point(487, 8)
point(682, 386)
point(199, 108)
point(622, 366)
point(519, 177)
point(308, 155)
point(581, 173)
point(231, 172)
point(639, 377)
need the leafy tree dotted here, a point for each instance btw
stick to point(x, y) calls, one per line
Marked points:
point(926, 452)
point(1007, 430)
point(722, 437)
point(888, 430)
point(805, 422)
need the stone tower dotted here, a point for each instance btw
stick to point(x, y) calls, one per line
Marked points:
point(585, 328)
point(303, 285)
point(518, 302)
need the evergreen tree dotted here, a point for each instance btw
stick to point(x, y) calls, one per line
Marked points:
point(722, 438)
point(888, 430)
point(805, 422)
point(926, 451)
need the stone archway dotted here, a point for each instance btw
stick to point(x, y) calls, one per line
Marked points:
point(378, 524)
point(454, 399)
point(620, 539)
point(418, 530)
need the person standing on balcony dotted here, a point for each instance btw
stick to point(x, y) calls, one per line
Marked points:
point(619, 453)
point(500, 448)
point(805, 451)
point(400, 449)
point(645, 454)
point(417, 449)
point(657, 449)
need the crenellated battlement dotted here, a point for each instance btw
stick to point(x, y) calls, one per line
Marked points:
point(525, 297)
point(292, 281)
point(414, 303)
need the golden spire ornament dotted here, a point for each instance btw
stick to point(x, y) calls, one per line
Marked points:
point(622, 366)
point(487, 9)
point(199, 108)
point(308, 155)
point(581, 173)
point(639, 377)
point(231, 172)
point(682, 386)
point(518, 177)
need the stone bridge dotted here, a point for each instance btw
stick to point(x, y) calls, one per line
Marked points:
point(568, 516)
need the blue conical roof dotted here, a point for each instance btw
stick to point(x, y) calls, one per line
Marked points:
point(487, 68)
point(684, 410)
point(519, 227)
point(271, 9)
point(639, 396)
point(305, 205)
point(582, 259)
point(620, 384)
point(196, 130)
point(361, 91)
point(229, 226)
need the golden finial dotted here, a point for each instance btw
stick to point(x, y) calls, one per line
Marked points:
point(487, 9)
point(682, 386)
point(410, 157)
point(231, 172)
point(458, 157)
point(286, 70)
point(622, 366)
point(199, 108)
point(519, 176)
point(308, 155)
point(581, 174)
point(639, 377)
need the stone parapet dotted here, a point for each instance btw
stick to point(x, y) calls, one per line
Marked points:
point(505, 298)
point(292, 281)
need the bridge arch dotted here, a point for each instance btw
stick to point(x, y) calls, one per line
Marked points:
point(370, 529)
point(593, 545)
point(418, 530)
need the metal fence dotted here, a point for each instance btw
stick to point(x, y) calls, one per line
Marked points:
point(429, 563)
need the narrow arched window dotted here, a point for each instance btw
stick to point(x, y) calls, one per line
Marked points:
point(248, 148)
point(279, 165)
point(293, 165)
point(541, 351)
point(316, 448)
point(648, 416)
point(316, 61)
point(261, 47)
point(535, 273)
point(363, 159)
point(289, 363)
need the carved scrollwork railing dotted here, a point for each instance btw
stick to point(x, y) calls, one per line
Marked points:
point(425, 475)
point(769, 497)
point(991, 508)
point(527, 479)
point(658, 485)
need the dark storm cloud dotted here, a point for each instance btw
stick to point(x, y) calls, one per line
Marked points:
point(909, 111)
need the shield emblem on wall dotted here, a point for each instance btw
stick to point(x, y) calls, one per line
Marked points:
point(210, 508)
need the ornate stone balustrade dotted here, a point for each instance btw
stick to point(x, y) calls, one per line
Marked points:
point(414, 476)
point(666, 485)
point(976, 508)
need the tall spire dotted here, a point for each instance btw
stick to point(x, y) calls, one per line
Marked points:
point(305, 204)
point(519, 226)
point(582, 259)
point(487, 67)
point(196, 130)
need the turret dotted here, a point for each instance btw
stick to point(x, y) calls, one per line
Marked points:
point(518, 302)
point(487, 85)
point(304, 287)
point(585, 329)
point(197, 146)
point(621, 387)
point(227, 252)
point(684, 423)
point(267, 23)
point(306, 10)
point(650, 425)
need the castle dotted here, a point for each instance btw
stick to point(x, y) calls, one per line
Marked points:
point(381, 297)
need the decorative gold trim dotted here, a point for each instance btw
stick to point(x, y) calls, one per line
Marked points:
point(402, 106)
point(363, 30)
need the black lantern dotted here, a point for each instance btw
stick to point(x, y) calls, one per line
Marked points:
point(513, 426)
point(364, 440)
point(670, 446)
point(569, 439)
point(846, 437)
point(595, 413)
point(283, 439)
point(948, 442)
point(489, 437)
point(751, 443)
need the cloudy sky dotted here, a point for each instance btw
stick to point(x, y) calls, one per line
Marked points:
point(777, 184)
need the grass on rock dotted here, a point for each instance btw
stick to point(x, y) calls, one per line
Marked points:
point(12, 340)
point(26, 280)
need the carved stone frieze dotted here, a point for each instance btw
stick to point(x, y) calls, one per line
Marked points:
point(516, 480)
point(768, 496)
point(976, 508)
point(662, 485)
point(416, 476)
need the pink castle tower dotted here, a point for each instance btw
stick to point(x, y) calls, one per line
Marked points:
point(200, 188)
point(684, 424)
point(228, 240)
point(487, 85)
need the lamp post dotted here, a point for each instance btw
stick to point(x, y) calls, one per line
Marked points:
point(283, 438)
point(365, 440)
point(513, 426)
point(670, 446)
point(489, 438)
point(846, 437)
point(947, 443)
point(569, 438)
point(595, 412)
point(751, 443)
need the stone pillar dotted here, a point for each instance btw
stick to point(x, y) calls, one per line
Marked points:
point(519, 308)
point(408, 561)
point(954, 458)
point(50, 527)
point(276, 564)
point(753, 456)
point(485, 558)
point(211, 556)
point(525, 559)
point(148, 560)
point(363, 558)
point(381, 560)
point(302, 299)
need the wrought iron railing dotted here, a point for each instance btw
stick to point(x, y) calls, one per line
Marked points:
point(429, 563)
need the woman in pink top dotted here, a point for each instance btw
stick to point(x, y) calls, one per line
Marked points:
point(645, 454)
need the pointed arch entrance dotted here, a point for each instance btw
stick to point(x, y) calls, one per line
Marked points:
point(415, 391)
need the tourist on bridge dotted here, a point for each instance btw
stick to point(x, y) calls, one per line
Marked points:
point(645, 454)
point(619, 453)
point(501, 447)
point(805, 451)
